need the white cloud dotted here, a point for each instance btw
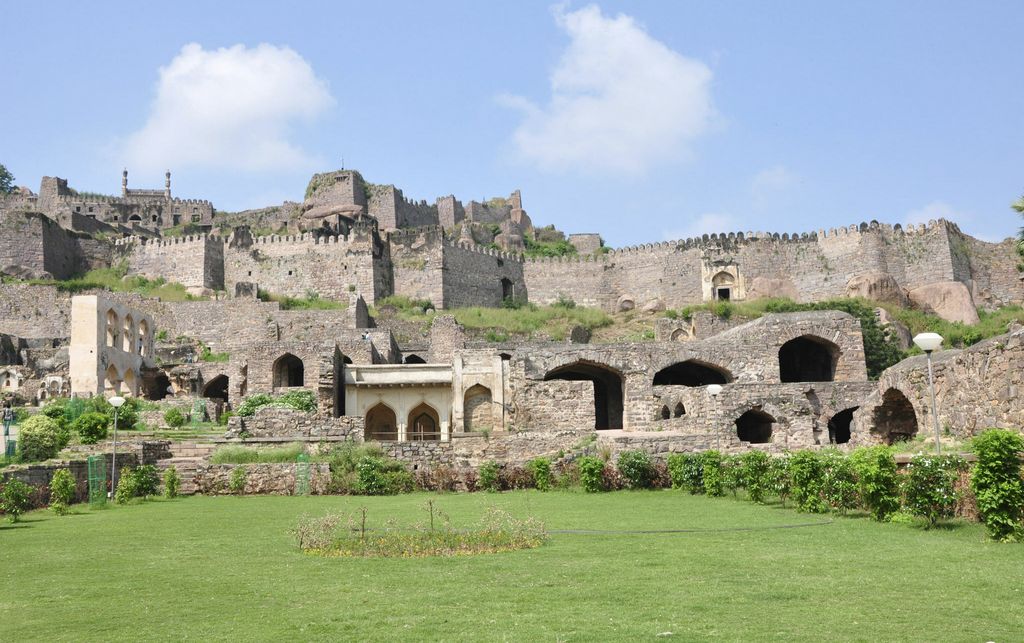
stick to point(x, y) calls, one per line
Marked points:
point(773, 179)
point(621, 101)
point(228, 108)
point(707, 223)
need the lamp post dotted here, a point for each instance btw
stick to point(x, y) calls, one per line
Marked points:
point(714, 390)
point(117, 401)
point(929, 342)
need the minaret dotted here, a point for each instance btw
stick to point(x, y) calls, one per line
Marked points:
point(167, 185)
point(124, 183)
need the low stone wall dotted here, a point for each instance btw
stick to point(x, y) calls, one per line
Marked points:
point(276, 422)
point(260, 479)
point(38, 476)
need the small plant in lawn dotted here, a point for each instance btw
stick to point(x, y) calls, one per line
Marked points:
point(488, 480)
point(172, 482)
point(174, 418)
point(382, 477)
point(930, 486)
point(236, 480)
point(839, 481)
point(591, 473)
point(711, 468)
point(756, 467)
point(806, 472)
point(138, 482)
point(14, 499)
point(878, 480)
point(91, 427)
point(686, 471)
point(779, 480)
point(636, 469)
point(732, 474)
point(996, 483)
point(62, 491)
point(541, 470)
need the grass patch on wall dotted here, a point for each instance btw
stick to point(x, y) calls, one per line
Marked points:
point(116, 279)
point(312, 301)
point(236, 454)
point(956, 334)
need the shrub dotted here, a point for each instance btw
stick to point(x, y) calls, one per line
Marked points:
point(755, 469)
point(636, 469)
point(591, 473)
point(298, 400)
point(806, 472)
point(253, 402)
point(930, 486)
point(174, 418)
point(14, 499)
point(62, 491)
point(838, 482)
point(568, 476)
point(488, 480)
point(236, 481)
point(779, 480)
point(437, 478)
point(172, 482)
point(382, 477)
point(91, 427)
point(732, 474)
point(878, 480)
point(541, 470)
point(138, 482)
point(996, 483)
point(711, 467)
point(224, 417)
point(39, 438)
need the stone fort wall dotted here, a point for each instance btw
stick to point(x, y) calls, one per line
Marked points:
point(33, 245)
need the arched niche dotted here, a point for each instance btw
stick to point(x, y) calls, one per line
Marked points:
point(381, 423)
point(894, 419)
point(692, 373)
point(608, 389)
point(289, 371)
point(217, 388)
point(755, 427)
point(477, 409)
point(808, 358)
point(424, 424)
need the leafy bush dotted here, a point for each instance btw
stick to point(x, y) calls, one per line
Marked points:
point(15, 499)
point(237, 454)
point(299, 400)
point(732, 474)
point(224, 417)
point(236, 481)
point(839, 481)
point(172, 482)
point(711, 467)
point(382, 477)
point(253, 402)
point(488, 480)
point(686, 471)
point(636, 469)
point(996, 483)
point(174, 418)
point(807, 473)
point(127, 415)
point(62, 491)
point(138, 482)
point(779, 479)
point(39, 438)
point(755, 467)
point(91, 427)
point(568, 476)
point(878, 480)
point(342, 461)
point(541, 470)
point(930, 486)
point(591, 473)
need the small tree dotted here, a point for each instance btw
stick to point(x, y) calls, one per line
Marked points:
point(756, 470)
point(997, 484)
point(14, 499)
point(91, 427)
point(839, 481)
point(62, 491)
point(39, 439)
point(591, 473)
point(930, 486)
point(878, 480)
point(806, 472)
point(711, 467)
point(540, 468)
point(236, 481)
point(174, 418)
point(6, 180)
point(636, 468)
point(489, 479)
point(172, 482)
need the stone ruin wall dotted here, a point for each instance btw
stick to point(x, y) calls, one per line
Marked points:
point(39, 246)
point(193, 261)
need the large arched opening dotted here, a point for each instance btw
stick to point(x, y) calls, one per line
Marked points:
point(755, 427)
point(111, 381)
point(894, 419)
point(476, 408)
point(129, 385)
point(159, 388)
point(608, 387)
point(808, 359)
point(144, 338)
point(692, 373)
point(381, 423)
point(289, 371)
point(217, 388)
point(424, 424)
point(839, 426)
point(722, 286)
point(127, 334)
point(414, 359)
point(112, 322)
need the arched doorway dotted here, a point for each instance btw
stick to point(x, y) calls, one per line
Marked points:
point(608, 392)
point(839, 426)
point(127, 334)
point(808, 359)
point(722, 286)
point(508, 289)
point(111, 381)
point(144, 338)
point(692, 373)
point(112, 322)
point(414, 359)
point(476, 408)
point(665, 412)
point(160, 388)
point(423, 424)
point(755, 427)
point(289, 371)
point(217, 388)
point(381, 423)
point(894, 419)
point(129, 386)
point(679, 411)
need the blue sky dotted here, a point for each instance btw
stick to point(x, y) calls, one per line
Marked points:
point(642, 121)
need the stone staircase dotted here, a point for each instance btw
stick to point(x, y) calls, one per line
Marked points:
point(186, 458)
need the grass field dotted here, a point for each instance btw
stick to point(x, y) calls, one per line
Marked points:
point(225, 568)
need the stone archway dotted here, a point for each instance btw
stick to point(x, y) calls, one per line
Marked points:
point(894, 420)
point(692, 373)
point(808, 359)
point(608, 390)
point(424, 424)
point(289, 371)
point(217, 388)
point(381, 423)
point(839, 426)
point(476, 408)
point(755, 427)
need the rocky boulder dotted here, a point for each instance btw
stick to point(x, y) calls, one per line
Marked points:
point(876, 286)
point(950, 300)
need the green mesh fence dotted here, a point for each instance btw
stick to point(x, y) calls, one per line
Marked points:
point(73, 409)
point(97, 479)
point(302, 475)
point(198, 412)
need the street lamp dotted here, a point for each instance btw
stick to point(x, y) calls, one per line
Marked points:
point(929, 342)
point(714, 390)
point(117, 401)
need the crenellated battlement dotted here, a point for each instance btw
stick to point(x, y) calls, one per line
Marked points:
point(126, 200)
point(483, 250)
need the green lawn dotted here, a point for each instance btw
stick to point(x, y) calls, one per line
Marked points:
point(225, 568)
